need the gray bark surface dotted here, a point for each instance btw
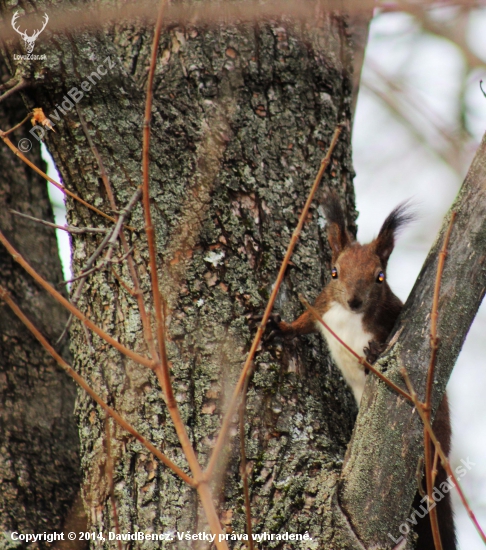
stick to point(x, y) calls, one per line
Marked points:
point(39, 461)
point(242, 118)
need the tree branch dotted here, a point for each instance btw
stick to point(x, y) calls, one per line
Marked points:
point(387, 467)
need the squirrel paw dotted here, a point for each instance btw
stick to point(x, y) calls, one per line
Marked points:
point(373, 351)
point(272, 328)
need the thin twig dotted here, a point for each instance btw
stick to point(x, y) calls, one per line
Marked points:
point(110, 237)
point(434, 344)
point(443, 458)
point(67, 228)
point(111, 480)
point(21, 84)
point(203, 489)
point(256, 341)
point(243, 472)
point(361, 360)
point(17, 126)
point(162, 365)
point(205, 13)
point(130, 291)
point(434, 341)
point(149, 229)
point(85, 271)
point(12, 147)
point(121, 259)
point(108, 242)
point(103, 174)
point(4, 295)
point(55, 294)
point(120, 221)
point(136, 292)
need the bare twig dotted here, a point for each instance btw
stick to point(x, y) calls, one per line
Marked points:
point(136, 292)
point(123, 283)
point(434, 341)
point(4, 295)
point(111, 480)
point(202, 13)
point(256, 341)
point(120, 221)
point(17, 126)
point(108, 240)
point(162, 364)
point(55, 294)
point(434, 344)
point(103, 174)
point(12, 147)
point(21, 84)
point(87, 269)
point(361, 360)
point(443, 458)
point(67, 228)
point(243, 467)
point(149, 230)
point(162, 369)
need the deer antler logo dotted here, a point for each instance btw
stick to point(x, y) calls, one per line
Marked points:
point(28, 40)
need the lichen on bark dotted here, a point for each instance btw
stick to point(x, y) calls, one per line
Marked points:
point(242, 118)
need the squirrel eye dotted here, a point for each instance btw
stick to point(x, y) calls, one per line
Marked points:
point(334, 273)
point(381, 277)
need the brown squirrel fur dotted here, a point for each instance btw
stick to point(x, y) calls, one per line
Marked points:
point(360, 307)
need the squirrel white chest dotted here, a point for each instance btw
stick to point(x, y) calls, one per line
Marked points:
point(349, 327)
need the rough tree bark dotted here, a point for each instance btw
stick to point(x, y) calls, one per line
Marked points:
point(242, 117)
point(39, 461)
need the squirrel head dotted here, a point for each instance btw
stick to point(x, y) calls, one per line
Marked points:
point(358, 272)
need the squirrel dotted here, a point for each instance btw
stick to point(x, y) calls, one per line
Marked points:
point(360, 307)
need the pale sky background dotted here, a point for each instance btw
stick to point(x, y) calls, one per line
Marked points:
point(392, 166)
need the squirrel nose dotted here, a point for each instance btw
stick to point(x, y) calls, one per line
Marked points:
point(355, 303)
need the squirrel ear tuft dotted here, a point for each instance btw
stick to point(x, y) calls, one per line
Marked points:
point(337, 234)
point(385, 242)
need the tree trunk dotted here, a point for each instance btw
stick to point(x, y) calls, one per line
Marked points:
point(39, 461)
point(242, 118)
